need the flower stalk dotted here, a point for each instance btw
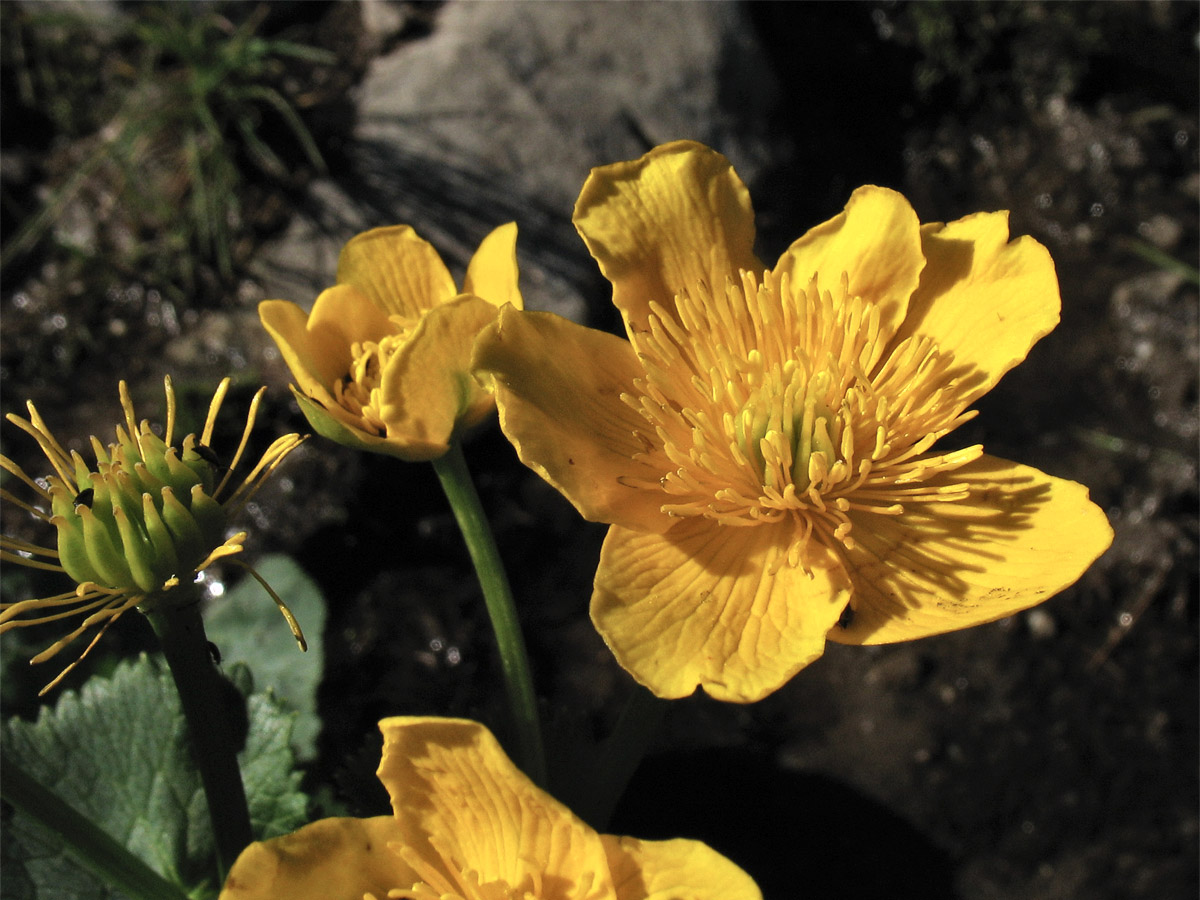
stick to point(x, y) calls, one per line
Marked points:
point(619, 756)
point(456, 481)
point(181, 632)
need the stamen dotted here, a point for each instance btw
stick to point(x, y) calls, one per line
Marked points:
point(274, 455)
point(53, 452)
point(56, 451)
point(774, 401)
point(18, 502)
point(213, 408)
point(297, 633)
point(358, 391)
point(113, 616)
point(250, 417)
point(21, 546)
point(13, 469)
point(170, 391)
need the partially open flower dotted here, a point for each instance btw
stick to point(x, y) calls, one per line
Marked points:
point(382, 363)
point(466, 824)
point(133, 526)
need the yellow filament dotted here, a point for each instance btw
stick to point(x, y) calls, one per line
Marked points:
point(58, 458)
point(776, 401)
point(270, 460)
point(237, 456)
point(297, 633)
point(13, 469)
point(170, 391)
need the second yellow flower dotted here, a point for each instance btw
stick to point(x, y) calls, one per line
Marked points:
point(382, 363)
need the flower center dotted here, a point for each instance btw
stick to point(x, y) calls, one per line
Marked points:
point(776, 402)
point(358, 391)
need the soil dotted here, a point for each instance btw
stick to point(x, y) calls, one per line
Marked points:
point(1050, 755)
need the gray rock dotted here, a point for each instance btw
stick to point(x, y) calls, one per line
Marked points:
point(501, 112)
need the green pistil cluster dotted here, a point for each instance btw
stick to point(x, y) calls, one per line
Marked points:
point(795, 409)
point(146, 515)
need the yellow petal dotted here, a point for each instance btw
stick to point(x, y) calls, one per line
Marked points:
point(559, 386)
point(450, 781)
point(492, 272)
point(331, 859)
point(668, 870)
point(400, 272)
point(316, 345)
point(349, 316)
point(315, 360)
point(1021, 537)
point(875, 241)
point(427, 387)
point(665, 222)
point(983, 299)
point(697, 606)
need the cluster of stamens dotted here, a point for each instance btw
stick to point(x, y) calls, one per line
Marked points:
point(359, 390)
point(776, 402)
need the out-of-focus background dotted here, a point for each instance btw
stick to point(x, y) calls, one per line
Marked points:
point(165, 166)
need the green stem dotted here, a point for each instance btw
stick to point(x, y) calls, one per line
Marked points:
point(514, 660)
point(94, 847)
point(181, 632)
point(619, 756)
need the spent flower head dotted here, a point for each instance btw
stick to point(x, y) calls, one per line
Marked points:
point(136, 523)
point(766, 443)
point(468, 824)
point(382, 363)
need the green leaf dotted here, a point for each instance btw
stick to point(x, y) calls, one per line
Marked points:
point(268, 770)
point(247, 627)
point(116, 752)
point(98, 851)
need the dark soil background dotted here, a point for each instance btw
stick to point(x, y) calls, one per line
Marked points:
point(1050, 755)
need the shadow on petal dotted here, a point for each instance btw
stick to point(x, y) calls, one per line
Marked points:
point(1019, 538)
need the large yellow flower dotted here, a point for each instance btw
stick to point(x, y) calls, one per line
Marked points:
point(468, 825)
point(136, 525)
point(764, 443)
point(382, 363)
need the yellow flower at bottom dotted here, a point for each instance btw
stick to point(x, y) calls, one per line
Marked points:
point(382, 363)
point(765, 444)
point(466, 824)
point(135, 526)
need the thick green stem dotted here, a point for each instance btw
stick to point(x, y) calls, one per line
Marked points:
point(94, 847)
point(210, 734)
point(618, 757)
point(514, 660)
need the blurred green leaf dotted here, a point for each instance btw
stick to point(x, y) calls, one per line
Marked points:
point(1165, 261)
point(116, 752)
point(248, 628)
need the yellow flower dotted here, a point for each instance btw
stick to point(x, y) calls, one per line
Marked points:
point(466, 824)
point(764, 445)
point(383, 361)
point(145, 518)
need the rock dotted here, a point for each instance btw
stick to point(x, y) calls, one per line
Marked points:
point(500, 113)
